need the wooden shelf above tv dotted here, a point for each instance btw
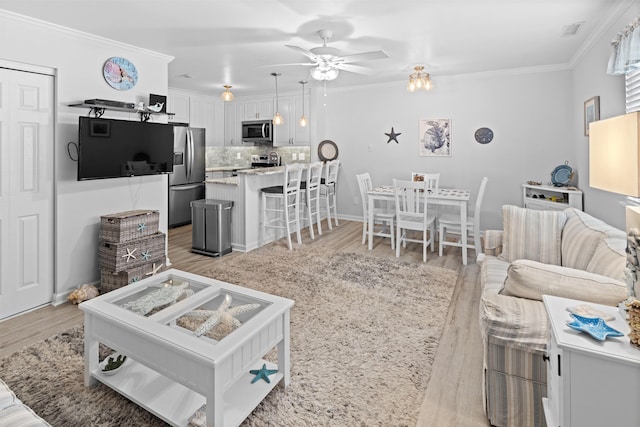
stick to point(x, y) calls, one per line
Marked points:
point(98, 110)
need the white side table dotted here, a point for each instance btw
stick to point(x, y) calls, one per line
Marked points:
point(590, 382)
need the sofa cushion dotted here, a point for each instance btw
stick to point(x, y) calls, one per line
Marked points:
point(7, 397)
point(609, 258)
point(581, 237)
point(532, 234)
point(531, 279)
point(20, 415)
point(492, 274)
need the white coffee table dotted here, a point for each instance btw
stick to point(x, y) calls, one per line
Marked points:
point(172, 372)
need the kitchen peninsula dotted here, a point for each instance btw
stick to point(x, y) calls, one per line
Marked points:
point(244, 191)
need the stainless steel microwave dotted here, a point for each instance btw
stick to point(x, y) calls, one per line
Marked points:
point(257, 131)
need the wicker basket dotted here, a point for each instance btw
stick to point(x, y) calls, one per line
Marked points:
point(110, 280)
point(124, 226)
point(124, 256)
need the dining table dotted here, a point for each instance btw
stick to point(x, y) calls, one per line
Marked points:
point(443, 196)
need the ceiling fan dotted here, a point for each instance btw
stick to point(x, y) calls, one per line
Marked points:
point(327, 61)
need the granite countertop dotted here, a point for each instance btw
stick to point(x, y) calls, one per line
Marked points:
point(231, 180)
point(226, 168)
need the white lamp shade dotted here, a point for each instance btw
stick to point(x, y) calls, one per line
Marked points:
point(614, 154)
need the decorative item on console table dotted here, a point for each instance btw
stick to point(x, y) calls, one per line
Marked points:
point(130, 248)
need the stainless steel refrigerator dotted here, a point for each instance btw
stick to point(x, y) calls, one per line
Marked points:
point(186, 183)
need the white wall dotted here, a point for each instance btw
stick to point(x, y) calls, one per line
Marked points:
point(590, 79)
point(78, 59)
point(530, 115)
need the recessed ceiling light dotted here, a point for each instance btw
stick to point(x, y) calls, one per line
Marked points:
point(572, 29)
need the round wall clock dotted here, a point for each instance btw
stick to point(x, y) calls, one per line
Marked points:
point(484, 135)
point(120, 73)
point(327, 150)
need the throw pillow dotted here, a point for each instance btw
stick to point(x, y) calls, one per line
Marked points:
point(609, 258)
point(531, 279)
point(532, 234)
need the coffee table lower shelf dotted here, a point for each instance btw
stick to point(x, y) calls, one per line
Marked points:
point(176, 403)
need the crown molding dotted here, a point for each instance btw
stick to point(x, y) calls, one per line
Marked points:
point(5, 14)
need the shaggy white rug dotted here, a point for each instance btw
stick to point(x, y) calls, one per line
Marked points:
point(364, 333)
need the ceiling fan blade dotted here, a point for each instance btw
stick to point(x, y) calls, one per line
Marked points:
point(364, 56)
point(353, 68)
point(305, 52)
point(288, 65)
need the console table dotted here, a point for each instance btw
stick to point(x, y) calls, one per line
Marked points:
point(171, 370)
point(544, 197)
point(590, 383)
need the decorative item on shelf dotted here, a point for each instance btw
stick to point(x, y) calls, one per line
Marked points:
point(277, 118)
point(594, 326)
point(157, 107)
point(634, 322)
point(303, 119)
point(158, 99)
point(83, 293)
point(562, 175)
point(112, 364)
point(262, 373)
point(435, 137)
point(224, 313)
point(120, 73)
point(226, 96)
point(534, 183)
point(393, 136)
point(419, 80)
point(591, 112)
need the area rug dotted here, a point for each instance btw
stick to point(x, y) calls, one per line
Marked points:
point(364, 333)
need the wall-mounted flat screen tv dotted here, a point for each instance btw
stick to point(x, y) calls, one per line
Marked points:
point(109, 148)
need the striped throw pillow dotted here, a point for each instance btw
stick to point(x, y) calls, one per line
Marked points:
point(532, 234)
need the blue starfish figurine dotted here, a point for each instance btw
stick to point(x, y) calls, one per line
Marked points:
point(262, 373)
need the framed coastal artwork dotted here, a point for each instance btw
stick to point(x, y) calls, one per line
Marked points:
point(435, 137)
point(591, 112)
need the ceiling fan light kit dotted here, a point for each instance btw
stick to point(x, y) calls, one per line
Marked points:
point(277, 118)
point(419, 80)
point(226, 95)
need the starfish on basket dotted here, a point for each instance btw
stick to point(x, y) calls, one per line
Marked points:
point(162, 296)
point(223, 313)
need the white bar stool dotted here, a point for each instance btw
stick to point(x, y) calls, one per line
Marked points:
point(328, 184)
point(310, 189)
point(286, 204)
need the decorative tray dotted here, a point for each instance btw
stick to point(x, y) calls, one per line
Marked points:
point(594, 326)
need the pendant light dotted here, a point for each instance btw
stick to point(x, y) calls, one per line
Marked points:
point(226, 95)
point(303, 119)
point(277, 119)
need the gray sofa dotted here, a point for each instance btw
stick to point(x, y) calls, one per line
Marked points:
point(14, 413)
point(565, 253)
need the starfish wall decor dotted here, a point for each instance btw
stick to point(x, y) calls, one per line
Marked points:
point(224, 313)
point(393, 136)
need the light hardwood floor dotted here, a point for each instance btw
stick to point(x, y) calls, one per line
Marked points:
point(454, 394)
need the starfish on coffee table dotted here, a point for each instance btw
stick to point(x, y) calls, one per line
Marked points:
point(224, 313)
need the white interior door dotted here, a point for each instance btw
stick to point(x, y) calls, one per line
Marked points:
point(26, 190)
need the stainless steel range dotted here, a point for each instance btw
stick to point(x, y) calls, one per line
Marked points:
point(265, 161)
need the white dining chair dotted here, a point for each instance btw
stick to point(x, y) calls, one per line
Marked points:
point(449, 225)
point(328, 185)
point(310, 191)
point(381, 215)
point(285, 204)
point(412, 215)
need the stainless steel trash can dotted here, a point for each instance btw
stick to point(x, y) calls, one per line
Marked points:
point(211, 227)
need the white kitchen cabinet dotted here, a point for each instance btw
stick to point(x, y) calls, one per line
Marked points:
point(590, 383)
point(178, 103)
point(290, 132)
point(233, 116)
point(197, 110)
point(258, 109)
point(548, 197)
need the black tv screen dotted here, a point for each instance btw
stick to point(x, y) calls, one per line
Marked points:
point(109, 148)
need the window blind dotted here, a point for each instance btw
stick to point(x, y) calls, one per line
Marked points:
point(632, 90)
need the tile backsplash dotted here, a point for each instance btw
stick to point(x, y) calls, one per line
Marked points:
point(241, 156)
